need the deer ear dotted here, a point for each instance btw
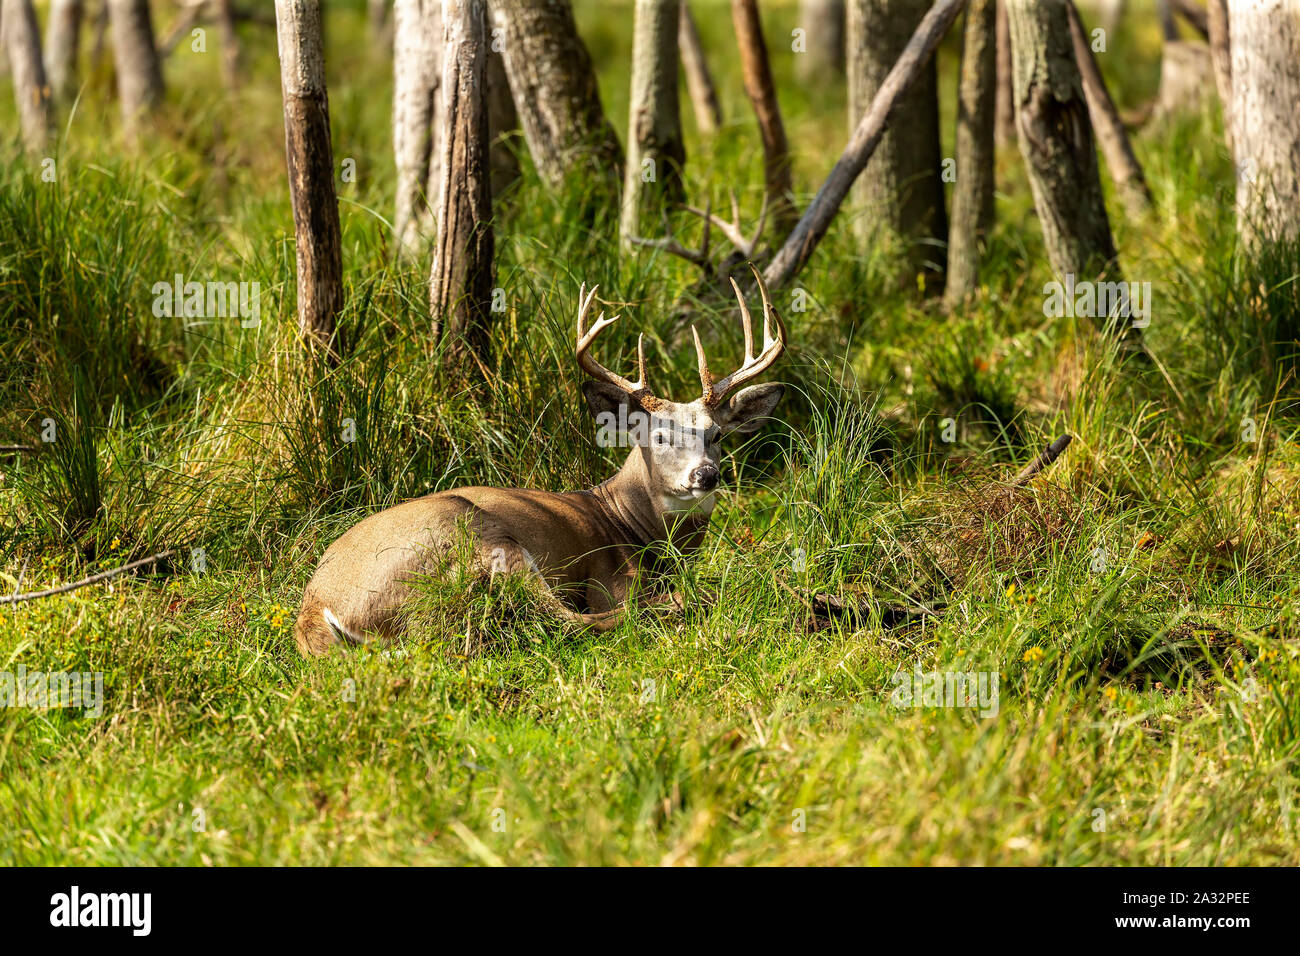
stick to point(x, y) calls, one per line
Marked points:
point(750, 408)
point(607, 400)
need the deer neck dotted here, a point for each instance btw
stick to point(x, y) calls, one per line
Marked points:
point(639, 509)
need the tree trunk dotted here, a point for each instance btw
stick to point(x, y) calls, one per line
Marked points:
point(503, 120)
point(1057, 145)
point(699, 81)
point(1005, 120)
point(554, 88)
point(655, 151)
point(310, 158)
point(417, 73)
point(1115, 146)
point(823, 24)
point(31, 93)
point(1265, 94)
point(460, 281)
point(225, 15)
point(888, 103)
point(972, 197)
point(903, 196)
point(135, 58)
point(62, 43)
point(1221, 59)
point(762, 93)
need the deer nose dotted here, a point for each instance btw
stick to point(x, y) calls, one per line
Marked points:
point(705, 477)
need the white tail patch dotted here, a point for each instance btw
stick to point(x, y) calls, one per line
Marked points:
point(341, 632)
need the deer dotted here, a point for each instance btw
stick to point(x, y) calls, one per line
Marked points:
point(589, 551)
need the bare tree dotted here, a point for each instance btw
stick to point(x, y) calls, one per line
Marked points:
point(417, 73)
point(699, 81)
point(823, 24)
point(460, 280)
point(1115, 145)
point(230, 53)
point(555, 91)
point(887, 104)
point(1221, 60)
point(655, 150)
point(503, 120)
point(310, 157)
point(972, 198)
point(903, 196)
point(1005, 111)
point(1056, 142)
point(31, 92)
point(135, 58)
point(62, 42)
point(1266, 125)
point(762, 93)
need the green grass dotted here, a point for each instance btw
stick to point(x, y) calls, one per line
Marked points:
point(1140, 606)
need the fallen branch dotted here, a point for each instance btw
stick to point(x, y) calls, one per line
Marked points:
point(816, 220)
point(1045, 458)
point(16, 449)
point(93, 579)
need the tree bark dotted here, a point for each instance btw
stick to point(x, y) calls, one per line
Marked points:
point(699, 81)
point(655, 150)
point(503, 121)
point(1115, 145)
point(888, 102)
point(761, 89)
point(310, 157)
point(823, 23)
point(972, 197)
point(230, 54)
point(136, 60)
point(1221, 60)
point(31, 91)
point(1056, 142)
point(1005, 120)
point(417, 74)
point(460, 280)
point(554, 88)
point(1265, 94)
point(903, 196)
point(62, 43)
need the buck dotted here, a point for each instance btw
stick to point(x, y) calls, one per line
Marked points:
point(590, 549)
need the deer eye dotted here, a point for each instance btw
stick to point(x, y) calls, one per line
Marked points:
point(661, 437)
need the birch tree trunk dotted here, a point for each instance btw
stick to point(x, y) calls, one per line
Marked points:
point(1115, 145)
point(135, 59)
point(417, 75)
point(1266, 118)
point(972, 197)
point(1056, 142)
point(699, 81)
point(31, 92)
point(460, 280)
point(762, 94)
point(823, 25)
point(310, 157)
point(1005, 119)
point(555, 91)
point(62, 43)
point(903, 195)
point(655, 151)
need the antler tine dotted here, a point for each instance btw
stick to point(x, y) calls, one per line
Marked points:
point(706, 379)
point(670, 245)
point(586, 336)
point(754, 365)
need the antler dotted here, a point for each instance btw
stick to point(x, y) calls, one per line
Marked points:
point(587, 336)
point(754, 365)
point(732, 229)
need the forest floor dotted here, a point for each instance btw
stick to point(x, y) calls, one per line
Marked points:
point(1136, 608)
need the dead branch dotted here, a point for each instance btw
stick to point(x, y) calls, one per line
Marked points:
point(93, 579)
point(1045, 458)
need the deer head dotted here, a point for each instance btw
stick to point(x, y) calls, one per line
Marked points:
point(679, 443)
